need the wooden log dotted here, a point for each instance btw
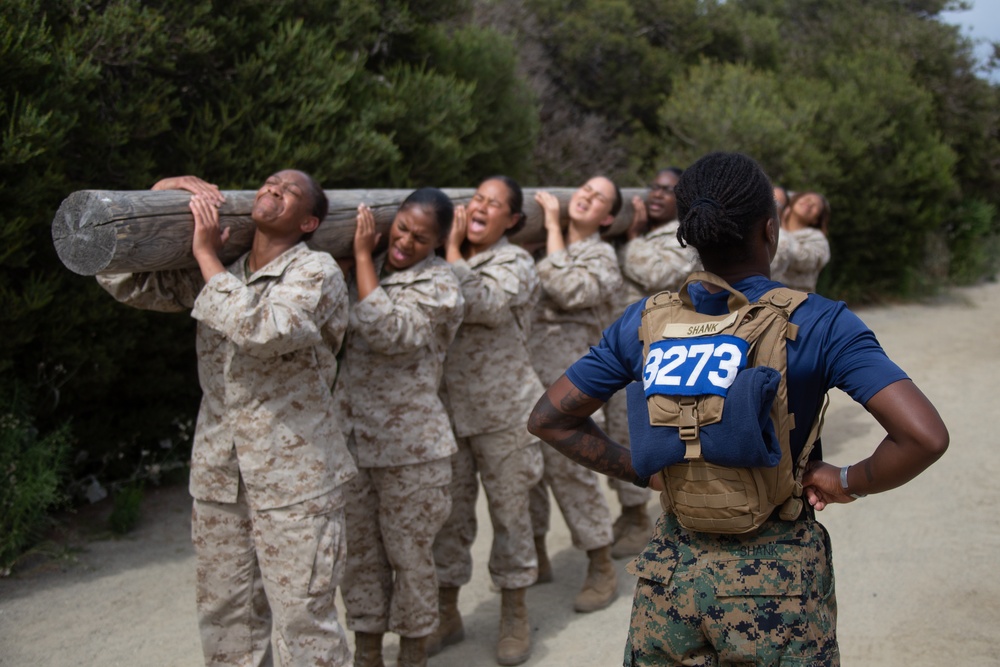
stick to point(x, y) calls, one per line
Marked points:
point(115, 231)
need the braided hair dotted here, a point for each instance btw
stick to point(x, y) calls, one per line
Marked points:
point(721, 198)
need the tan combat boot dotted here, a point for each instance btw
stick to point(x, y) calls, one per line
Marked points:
point(544, 565)
point(601, 585)
point(368, 649)
point(634, 531)
point(412, 652)
point(450, 630)
point(514, 644)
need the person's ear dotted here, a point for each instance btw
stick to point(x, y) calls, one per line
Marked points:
point(608, 220)
point(771, 231)
point(309, 225)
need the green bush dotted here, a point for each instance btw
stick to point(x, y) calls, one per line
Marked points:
point(126, 508)
point(31, 468)
point(973, 242)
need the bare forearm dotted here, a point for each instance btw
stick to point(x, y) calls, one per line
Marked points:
point(916, 438)
point(554, 241)
point(210, 265)
point(890, 465)
point(364, 275)
point(569, 428)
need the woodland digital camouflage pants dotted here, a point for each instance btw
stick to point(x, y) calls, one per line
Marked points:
point(708, 600)
point(393, 515)
point(257, 565)
point(509, 464)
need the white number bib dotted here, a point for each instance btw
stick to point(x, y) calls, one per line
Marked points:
point(694, 366)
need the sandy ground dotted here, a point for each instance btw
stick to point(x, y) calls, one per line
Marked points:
point(916, 568)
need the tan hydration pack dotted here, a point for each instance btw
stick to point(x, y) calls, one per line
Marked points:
point(706, 497)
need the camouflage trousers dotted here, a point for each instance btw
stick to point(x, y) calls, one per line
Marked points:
point(578, 493)
point(509, 464)
point(392, 518)
point(616, 426)
point(764, 599)
point(279, 566)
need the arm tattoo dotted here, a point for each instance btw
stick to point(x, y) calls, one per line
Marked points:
point(578, 437)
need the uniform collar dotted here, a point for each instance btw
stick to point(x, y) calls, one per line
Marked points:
point(276, 266)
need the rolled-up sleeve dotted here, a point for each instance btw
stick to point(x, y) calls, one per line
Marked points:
point(164, 291)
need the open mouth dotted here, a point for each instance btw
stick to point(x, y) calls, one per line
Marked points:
point(398, 255)
point(477, 226)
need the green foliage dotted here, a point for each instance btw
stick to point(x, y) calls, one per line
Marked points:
point(875, 103)
point(973, 238)
point(895, 175)
point(506, 126)
point(31, 469)
point(126, 509)
point(736, 108)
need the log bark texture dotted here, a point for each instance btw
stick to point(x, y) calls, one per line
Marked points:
point(116, 231)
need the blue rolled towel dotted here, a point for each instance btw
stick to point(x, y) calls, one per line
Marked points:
point(744, 438)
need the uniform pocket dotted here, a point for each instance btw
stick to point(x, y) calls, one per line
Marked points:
point(756, 577)
point(330, 557)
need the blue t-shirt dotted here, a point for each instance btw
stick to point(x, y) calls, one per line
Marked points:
point(833, 348)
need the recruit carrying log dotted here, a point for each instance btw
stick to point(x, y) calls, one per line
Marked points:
point(127, 231)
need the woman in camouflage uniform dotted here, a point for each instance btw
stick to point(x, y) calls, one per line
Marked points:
point(803, 250)
point(407, 308)
point(491, 387)
point(579, 276)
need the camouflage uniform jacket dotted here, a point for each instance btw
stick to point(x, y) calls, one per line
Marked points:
point(266, 362)
point(491, 384)
point(801, 255)
point(578, 291)
point(652, 263)
point(394, 357)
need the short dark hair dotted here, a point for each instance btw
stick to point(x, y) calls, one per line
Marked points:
point(320, 203)
point(720, 200)
point(676, 171)
point(435, 201)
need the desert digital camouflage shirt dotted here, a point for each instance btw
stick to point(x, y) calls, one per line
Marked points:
point(801, 255)
point(652, 263)
point(491, 384)
point(578, 291)
point(394, 355)
point(266, 362)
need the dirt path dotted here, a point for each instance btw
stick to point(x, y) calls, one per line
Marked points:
point(916, 568)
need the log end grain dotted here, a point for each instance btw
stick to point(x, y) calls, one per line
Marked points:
point(85, 245)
